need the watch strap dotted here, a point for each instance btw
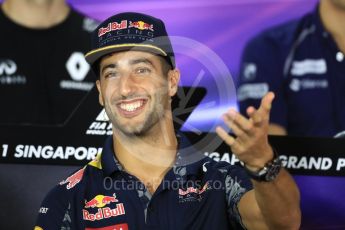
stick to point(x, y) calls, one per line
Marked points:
point(269, 172)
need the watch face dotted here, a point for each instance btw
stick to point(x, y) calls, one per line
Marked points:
point(273, 171)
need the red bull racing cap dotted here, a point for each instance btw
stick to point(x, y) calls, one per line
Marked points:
point(130, 31)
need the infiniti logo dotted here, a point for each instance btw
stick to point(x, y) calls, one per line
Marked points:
point(8, 67)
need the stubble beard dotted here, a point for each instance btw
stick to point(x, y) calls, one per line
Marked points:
point(151, 118)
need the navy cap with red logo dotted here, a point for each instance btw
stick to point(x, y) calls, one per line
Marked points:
point(130, 31)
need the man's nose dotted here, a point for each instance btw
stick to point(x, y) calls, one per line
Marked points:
point(127, 85)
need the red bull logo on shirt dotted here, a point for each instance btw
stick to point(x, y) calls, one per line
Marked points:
point(74, 179)
point(104, 213)
point(193, 194)
point(100, 201)
point(193, 190)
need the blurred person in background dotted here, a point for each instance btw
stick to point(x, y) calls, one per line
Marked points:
point(302, 61)
point(41, 81)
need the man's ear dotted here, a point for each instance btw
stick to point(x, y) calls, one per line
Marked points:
point(100, 98)
point(174, 79)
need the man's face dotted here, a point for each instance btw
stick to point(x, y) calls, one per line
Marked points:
point(135, 93)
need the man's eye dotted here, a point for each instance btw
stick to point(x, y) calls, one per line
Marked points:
point(110, 74)
point(143, 71)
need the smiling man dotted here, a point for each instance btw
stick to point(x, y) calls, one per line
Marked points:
point(133, 90)
point(147, 177)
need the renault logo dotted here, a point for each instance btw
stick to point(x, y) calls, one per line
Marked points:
point(77, 66)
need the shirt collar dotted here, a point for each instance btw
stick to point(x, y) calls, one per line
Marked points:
point(188, 158)
point(110, 164)
point(320, 29)
point(322, 32)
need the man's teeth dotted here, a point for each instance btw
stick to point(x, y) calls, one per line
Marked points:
point(131, 106)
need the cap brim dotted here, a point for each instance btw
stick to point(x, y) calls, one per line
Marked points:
point(94, 55)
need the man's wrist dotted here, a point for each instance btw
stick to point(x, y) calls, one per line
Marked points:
point(268, 172)
point(259, 164)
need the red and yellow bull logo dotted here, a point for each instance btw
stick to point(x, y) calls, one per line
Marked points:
point(74, 179)
point(141, 25)
point(100, 201)
point(194, 190)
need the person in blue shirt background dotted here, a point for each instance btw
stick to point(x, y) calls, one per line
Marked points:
point(302, 62)
point(146, 176)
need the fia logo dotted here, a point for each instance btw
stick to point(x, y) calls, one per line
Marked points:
point(101, 125)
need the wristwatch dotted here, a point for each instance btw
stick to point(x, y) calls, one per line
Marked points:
point(269, 172)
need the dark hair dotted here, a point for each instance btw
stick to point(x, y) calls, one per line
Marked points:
point(166, 66)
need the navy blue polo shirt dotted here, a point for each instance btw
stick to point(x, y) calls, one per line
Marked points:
point(302, 64)
point(197, 193)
